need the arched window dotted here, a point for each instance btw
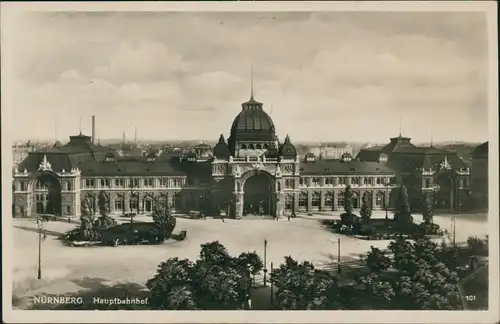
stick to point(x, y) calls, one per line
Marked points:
point(265, 147)
point(368, 197)
point(379, 199)
point(119, 203)
point(303, 200)
point(251, 147)
point(279, 186)
point(258, 147)
point(243, 146)
point(316, 200)
point(355, 200)
point(329, 200)
point(340, 199)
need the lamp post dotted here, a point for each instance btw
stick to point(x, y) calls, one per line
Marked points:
point(39, 222)
point(453, 222)
point(272, 288)
point(339, 270)
point(265, 263)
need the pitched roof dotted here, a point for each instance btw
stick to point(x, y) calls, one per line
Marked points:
point(481, 150)
point(58, 161)
point(337, 167)
point(130, 168)
point(403, 162)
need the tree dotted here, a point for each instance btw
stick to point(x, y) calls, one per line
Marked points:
point(164, 223)
point(104, 221)
point(216, 281)
point(403, 209)
point(417, 278)
point(299, 286)
point(250, 262)
point(366, 210)
point(348, 200)
point(427, 208)
point(171, 288)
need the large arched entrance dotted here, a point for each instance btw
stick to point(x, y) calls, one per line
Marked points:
point(446, 198)
point(47, 194)
point(258, 195)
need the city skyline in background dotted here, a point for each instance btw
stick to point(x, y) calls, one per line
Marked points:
point(330, 76)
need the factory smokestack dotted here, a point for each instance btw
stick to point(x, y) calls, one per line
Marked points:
point(93, 129)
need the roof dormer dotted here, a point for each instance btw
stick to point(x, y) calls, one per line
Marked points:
point(346, 157)
point(310, 157)
point(110, 157)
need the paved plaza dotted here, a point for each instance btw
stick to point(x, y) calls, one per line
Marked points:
point(303, 238)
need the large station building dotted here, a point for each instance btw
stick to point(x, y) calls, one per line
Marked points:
point(250, 172)
point(426, 171)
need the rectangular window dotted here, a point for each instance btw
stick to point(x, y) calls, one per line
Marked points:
point(120, 183)
point(105, 183)
point(289, 183)
point(68, 210)
point(316, 182)
point(89, 183)
point(427, 183)
point(148, 183)
point(367, 181)
point(164, 182)
point(342, 181)
point(288, 202)
point(301, 181)
point(134, 183)
point(355, 181)
point(22, 210)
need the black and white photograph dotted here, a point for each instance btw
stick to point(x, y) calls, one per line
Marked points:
point(250, 159)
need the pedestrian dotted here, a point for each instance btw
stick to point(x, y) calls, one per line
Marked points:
point(222, 218)
point(69, 219)
point(289, 217)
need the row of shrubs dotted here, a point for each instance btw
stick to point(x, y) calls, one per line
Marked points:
point(351, 224)
point(123, 234)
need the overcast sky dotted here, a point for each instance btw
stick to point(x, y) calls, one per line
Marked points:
point(322, 76)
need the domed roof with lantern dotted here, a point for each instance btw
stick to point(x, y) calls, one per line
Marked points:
point(221, 150)
point(287, 149)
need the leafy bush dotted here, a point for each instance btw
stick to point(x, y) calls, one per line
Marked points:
point(477, 245)
point(429, 228)
point(349, 219)
point(180, 237)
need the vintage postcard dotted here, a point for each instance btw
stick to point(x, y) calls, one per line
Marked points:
point(228, 162)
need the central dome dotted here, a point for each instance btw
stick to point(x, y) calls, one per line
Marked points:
point(252, 122)
point(252, 119)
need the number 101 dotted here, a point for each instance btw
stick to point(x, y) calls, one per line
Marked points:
point(470, 298)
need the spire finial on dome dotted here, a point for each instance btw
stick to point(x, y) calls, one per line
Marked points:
point(287, 139)
point(251, 82)
point(222, 139)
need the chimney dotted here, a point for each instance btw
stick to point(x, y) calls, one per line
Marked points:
point(93, 129)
